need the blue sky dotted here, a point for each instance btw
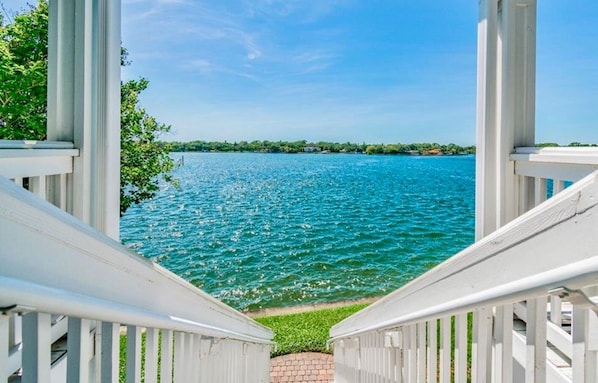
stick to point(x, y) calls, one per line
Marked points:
point(377, 71)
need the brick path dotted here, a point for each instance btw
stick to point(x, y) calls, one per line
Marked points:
point(306, 367)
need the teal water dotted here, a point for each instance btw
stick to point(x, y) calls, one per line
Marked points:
point(268, 230)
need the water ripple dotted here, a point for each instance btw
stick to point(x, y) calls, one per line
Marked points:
point(262, 230)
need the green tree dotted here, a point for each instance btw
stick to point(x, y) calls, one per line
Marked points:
point(23, 106)
point(23, 73)
point(143, 159)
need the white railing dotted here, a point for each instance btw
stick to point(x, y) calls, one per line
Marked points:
point(59, 276)
point(37, 164)
point(456, 322)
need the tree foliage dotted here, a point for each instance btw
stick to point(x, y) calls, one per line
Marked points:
point(23, 73)
point(319, 147)
point(142, 157)
point(23, 105)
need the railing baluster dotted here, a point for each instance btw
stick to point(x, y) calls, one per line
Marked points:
point(399, 358)
point(78, 346)
point(63, 202)
point(179, 357)
point(592, 347)
point(540, 189)
point(4, 372)
point(411, 363)
point(535, 369)
point(445, 350)
point(584, 361)
point(133, 368)
point(556, 310)
point(503, 341)
point(166, 347)
point(151, 355)
point(482, 333)
point(37, 185)
point(421, 352)
point(432, 350)
point(36, 348)
point(391, 366)
point(461, 348)
point(195, 358)
point(110, 358)
point(15, 330)
point(188, 356)
point(557, 186)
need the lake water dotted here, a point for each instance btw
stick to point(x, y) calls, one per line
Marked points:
point(269, 230)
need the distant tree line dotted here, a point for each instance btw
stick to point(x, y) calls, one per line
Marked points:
point(304, 146)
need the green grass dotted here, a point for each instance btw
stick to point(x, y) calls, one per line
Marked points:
point(305, 332)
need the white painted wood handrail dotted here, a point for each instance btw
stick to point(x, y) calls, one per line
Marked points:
point(20, 159)
point(564, 164)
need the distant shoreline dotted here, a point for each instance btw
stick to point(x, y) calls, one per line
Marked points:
point(324, 153)
point(275, 311)
point(321, 147)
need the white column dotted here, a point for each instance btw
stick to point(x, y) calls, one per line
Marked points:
point(486, 148)
point(84, 103)
point(506, 107)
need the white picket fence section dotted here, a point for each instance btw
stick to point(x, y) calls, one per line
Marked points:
point(68, 292)
point(525, 297)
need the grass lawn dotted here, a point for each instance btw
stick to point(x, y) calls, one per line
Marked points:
point(307, 331)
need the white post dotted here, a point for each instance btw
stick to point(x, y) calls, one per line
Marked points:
point(486, 187)
point(84, 103)
point(506, 107)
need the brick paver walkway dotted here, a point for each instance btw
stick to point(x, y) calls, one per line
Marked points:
point(306, 367)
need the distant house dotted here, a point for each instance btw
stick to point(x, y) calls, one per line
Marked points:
point(433, 152)
point(312, 149)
